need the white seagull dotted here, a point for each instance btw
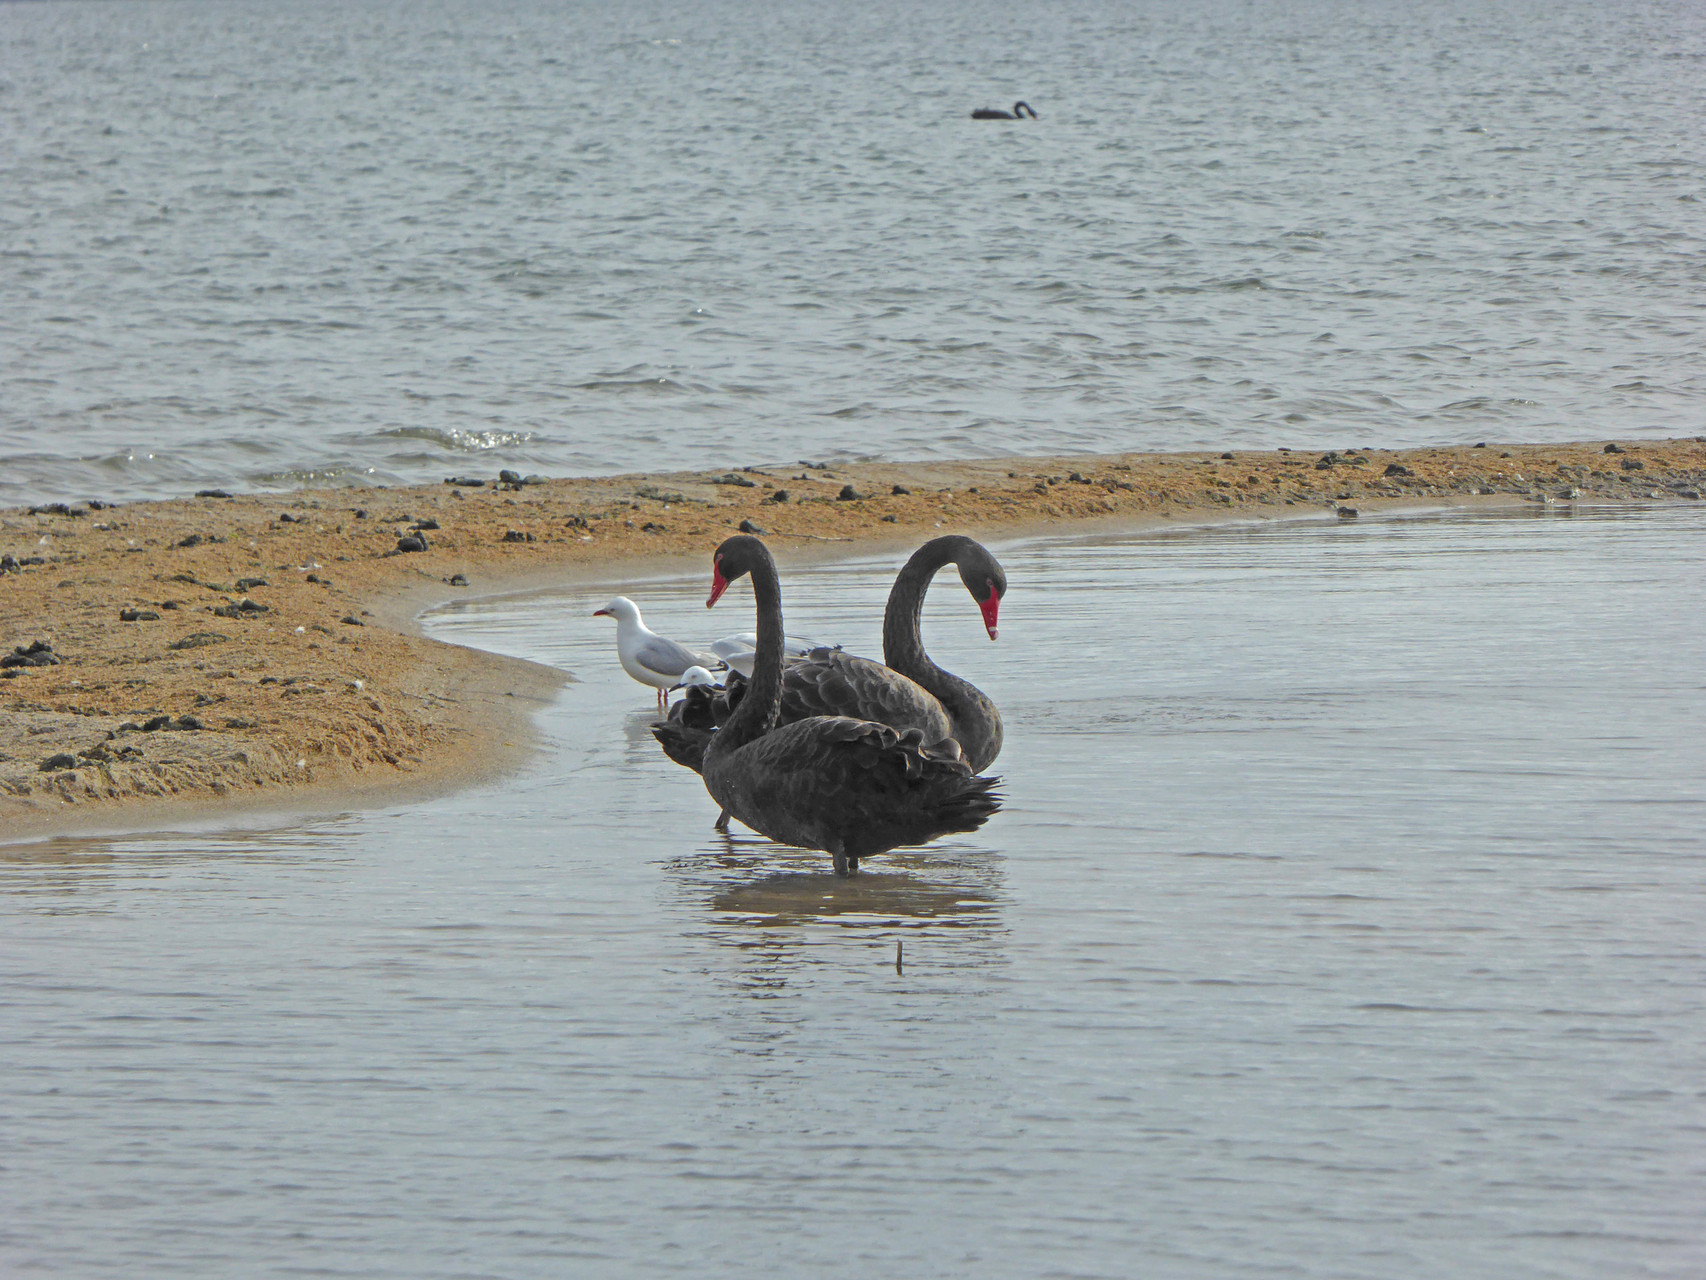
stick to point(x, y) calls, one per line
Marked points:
point(739, 652)
point(648, 657)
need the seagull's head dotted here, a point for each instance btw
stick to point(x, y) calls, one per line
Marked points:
point(695, 678)
point(621, 608)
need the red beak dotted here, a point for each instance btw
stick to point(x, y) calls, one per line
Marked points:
point(991, 607)
point(719, 584)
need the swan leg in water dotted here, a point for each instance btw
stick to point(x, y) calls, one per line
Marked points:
point(846, 865)
point(722, 822)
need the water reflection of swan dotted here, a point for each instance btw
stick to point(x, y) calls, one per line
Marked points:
point(1019, 112)
point(748, 880)
point(799, 897)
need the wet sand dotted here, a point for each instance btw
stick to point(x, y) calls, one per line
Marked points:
point(270, 660)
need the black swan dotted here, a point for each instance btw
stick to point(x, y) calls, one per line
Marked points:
point(910, 692)
point(852, 787)
point(1019, 112)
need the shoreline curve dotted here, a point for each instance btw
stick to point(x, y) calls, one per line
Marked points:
point(262, 654)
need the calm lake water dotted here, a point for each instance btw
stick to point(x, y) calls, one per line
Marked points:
point(1343, 921)
point(263, 245)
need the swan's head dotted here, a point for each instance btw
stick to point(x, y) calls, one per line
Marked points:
point(621, 608)
point(737, 557)
point(984, 577)
point(695, 678)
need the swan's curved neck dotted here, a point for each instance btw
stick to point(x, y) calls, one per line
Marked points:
point(974, 717)
point(762, 703)
point(903, 641)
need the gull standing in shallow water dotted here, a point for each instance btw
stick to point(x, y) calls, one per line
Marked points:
point(648, 657)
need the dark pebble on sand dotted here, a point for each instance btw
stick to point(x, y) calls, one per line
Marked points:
point(360, 513)
point(60, 761)
point(739, 481)
point(1634, 464)
point(848, 494)
point(900, 490)
point(1612, 448)
point(779, 497)
point(747, 526)
point(412, 542)
point(466, 482)
point(1347, 513)
point(138, 615)
point(57, 509)
point(428, 523)
point(350, 620)
point(211, 493)
point(457, 580)
point(245, 584)
point(39, 654)
point(509, 477)
point(189, 722)
point(244, 608)
point(198, 640)
point(1226, 456)
point(516, 535)
point(194, 540)
point(1077, 477)
point(890, 519)
point(1398, 469)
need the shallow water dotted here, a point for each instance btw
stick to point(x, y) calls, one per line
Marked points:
point(263, 245)
point(1343, 921)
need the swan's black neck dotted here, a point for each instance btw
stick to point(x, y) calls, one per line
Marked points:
point(903, 641)
point(975, 720)
point(762, 703)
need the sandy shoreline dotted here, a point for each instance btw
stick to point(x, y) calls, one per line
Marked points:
point(272, 659)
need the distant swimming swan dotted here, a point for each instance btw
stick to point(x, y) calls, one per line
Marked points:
point(1019, 112)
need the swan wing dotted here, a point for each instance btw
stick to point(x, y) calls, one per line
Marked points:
point(828, 682)
point(853, 786)
point(685, 744)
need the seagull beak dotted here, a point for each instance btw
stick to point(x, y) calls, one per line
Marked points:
point(719, 584)
point(601, 613)
point(991, 607)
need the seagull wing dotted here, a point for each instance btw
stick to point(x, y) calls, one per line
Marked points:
point(667, 658)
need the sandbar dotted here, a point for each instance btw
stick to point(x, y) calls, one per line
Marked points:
point(186, 660)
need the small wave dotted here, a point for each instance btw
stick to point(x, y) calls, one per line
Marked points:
point(666, 386)
point(458, 440)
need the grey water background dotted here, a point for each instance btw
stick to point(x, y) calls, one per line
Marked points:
point(268, 245)
point(1343, 921)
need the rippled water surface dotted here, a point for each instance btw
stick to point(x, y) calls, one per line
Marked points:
point(1343, 921)
point(264, 245)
